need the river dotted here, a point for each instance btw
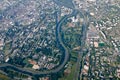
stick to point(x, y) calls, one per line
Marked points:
point(61, 44)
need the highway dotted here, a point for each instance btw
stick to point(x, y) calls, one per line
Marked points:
point(61, 44)
point(80, 54)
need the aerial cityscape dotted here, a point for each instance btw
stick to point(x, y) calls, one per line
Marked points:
point(59, 39)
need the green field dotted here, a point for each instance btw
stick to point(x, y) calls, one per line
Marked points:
point(71, 75)
point(3, 77)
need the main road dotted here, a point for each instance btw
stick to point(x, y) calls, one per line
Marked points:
point(79, 65)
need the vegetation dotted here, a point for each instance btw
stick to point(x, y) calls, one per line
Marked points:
point(4, 77)
point(71, 75)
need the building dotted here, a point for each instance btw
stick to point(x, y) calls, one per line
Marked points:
point(36, 67)
point(1, 44)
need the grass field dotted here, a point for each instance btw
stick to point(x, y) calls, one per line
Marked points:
point(3, 77)
point(71, 75)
